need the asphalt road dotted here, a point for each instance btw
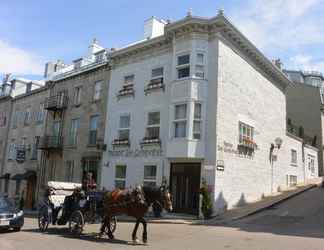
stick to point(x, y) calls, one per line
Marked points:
point(296, 224)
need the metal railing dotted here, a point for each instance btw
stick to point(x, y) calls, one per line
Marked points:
point(50, 142)
point(56, 102)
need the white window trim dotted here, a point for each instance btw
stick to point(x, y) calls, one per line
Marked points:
point(203, 64)
point(124, 84)
point(174, 121)
point(154, 125)
point(156, 176)
point(120, 179)
point(160, 76)
point(291, 158)
point(95, 96)
point(198, 120)
point(177, 67)
point(121, 129)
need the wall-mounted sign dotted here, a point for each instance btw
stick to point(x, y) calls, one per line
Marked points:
point(136, 153)
point(220, 165)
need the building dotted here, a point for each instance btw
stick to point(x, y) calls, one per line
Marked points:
point(73, 141)
point(5, 115)
point(196, 102)
point(305, 109)
point(25, 126)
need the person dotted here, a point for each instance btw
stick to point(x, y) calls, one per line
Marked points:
point(89, 183)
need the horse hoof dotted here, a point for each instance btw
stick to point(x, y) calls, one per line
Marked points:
point(136, 241)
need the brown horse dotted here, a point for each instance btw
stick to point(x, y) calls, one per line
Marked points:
point(135, 203)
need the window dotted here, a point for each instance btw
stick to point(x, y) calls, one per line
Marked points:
point(97, 90)
point(12, 151)
point(27, 117)
point(293, 157)
point(149, 175)
point(52, 172)
point(77, 96)
point(34, 149)
point(77, 64)
point(3, 119)
point(197, 121)
point(93, 129)
point(291, 180)
point(180, 120)
point(199, 68)
point(311, 164)
point(129, 80)
point(245, 133)
point(120, 176)
point(15, 119)
point(73, 132)
point(124, 127)
point(153, 125)
point(69, 171)
point(40, 114)
point(100, 57)
point(157, 73)
point(183, 66)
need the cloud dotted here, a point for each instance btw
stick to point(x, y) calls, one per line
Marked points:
point(282, 23)
point(18, 61)
point(306, 62)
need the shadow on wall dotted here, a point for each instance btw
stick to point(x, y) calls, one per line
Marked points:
point(220, 204)
point(241, 202)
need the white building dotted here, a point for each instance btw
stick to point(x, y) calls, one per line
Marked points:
point(198, 102)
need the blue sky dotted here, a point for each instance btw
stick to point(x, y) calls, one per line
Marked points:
point(34, 32)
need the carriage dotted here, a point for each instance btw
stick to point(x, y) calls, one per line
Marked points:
point(66, 204)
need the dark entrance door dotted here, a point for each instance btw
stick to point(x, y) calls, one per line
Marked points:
point(185, 183)
point(30, 195)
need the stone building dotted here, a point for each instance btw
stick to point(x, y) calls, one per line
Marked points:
point(5, 114)
point(73, 142)
point(305, 115)
point(26, 126)
point(196, 102)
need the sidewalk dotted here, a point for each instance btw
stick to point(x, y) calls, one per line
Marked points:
point(256, 207)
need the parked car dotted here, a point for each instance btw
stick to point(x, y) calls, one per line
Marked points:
point(10, 216)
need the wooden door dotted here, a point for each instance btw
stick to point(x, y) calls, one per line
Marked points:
point(185, 183)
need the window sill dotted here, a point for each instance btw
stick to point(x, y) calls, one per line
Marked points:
point(91, 145)
point(294, 164)
point(70, 146)
point(76, 105)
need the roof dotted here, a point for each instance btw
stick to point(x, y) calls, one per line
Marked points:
point(215, 24)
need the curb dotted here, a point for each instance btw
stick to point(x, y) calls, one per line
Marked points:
point(272, 204)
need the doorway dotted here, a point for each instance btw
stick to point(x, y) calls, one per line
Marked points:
point(185, 184)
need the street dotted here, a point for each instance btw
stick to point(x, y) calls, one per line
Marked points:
point(294, 224)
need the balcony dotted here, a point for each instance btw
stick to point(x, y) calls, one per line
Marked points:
point(155, 84)
point(127, 90)
point(121, 142)
point(56, 103)
point(50, 143)
point(150, 141)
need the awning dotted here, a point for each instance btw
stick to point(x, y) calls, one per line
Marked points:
point(24, 176)
point(5, 176)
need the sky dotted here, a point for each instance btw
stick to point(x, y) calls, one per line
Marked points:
point(34, 32)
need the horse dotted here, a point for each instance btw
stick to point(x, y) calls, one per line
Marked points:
point(135, 203)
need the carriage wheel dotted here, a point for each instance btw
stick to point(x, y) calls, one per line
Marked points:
point(112, 225)
point(42, 221)
point(76, 222)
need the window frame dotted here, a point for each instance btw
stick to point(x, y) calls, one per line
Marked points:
point(77, 96)
point(27, 116)
point(97, 91)
point(293, 157)
point(180, 67)
point(158, 76)
point(150, 180)
point(197, 120)
point(180, 120)
point(200, 64)
point(119, 179)
point(73, 141)
point(93, 130)
point(249, 136)
point(124, 128)
point(149, 126)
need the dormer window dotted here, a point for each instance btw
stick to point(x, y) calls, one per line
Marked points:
point(100, 56)
point(77, 63)
point(183, 66)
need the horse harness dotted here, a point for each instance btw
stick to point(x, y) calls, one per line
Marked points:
point(124, 198)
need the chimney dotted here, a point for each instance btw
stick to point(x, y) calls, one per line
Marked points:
point(278, 63)
point(153, 28)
